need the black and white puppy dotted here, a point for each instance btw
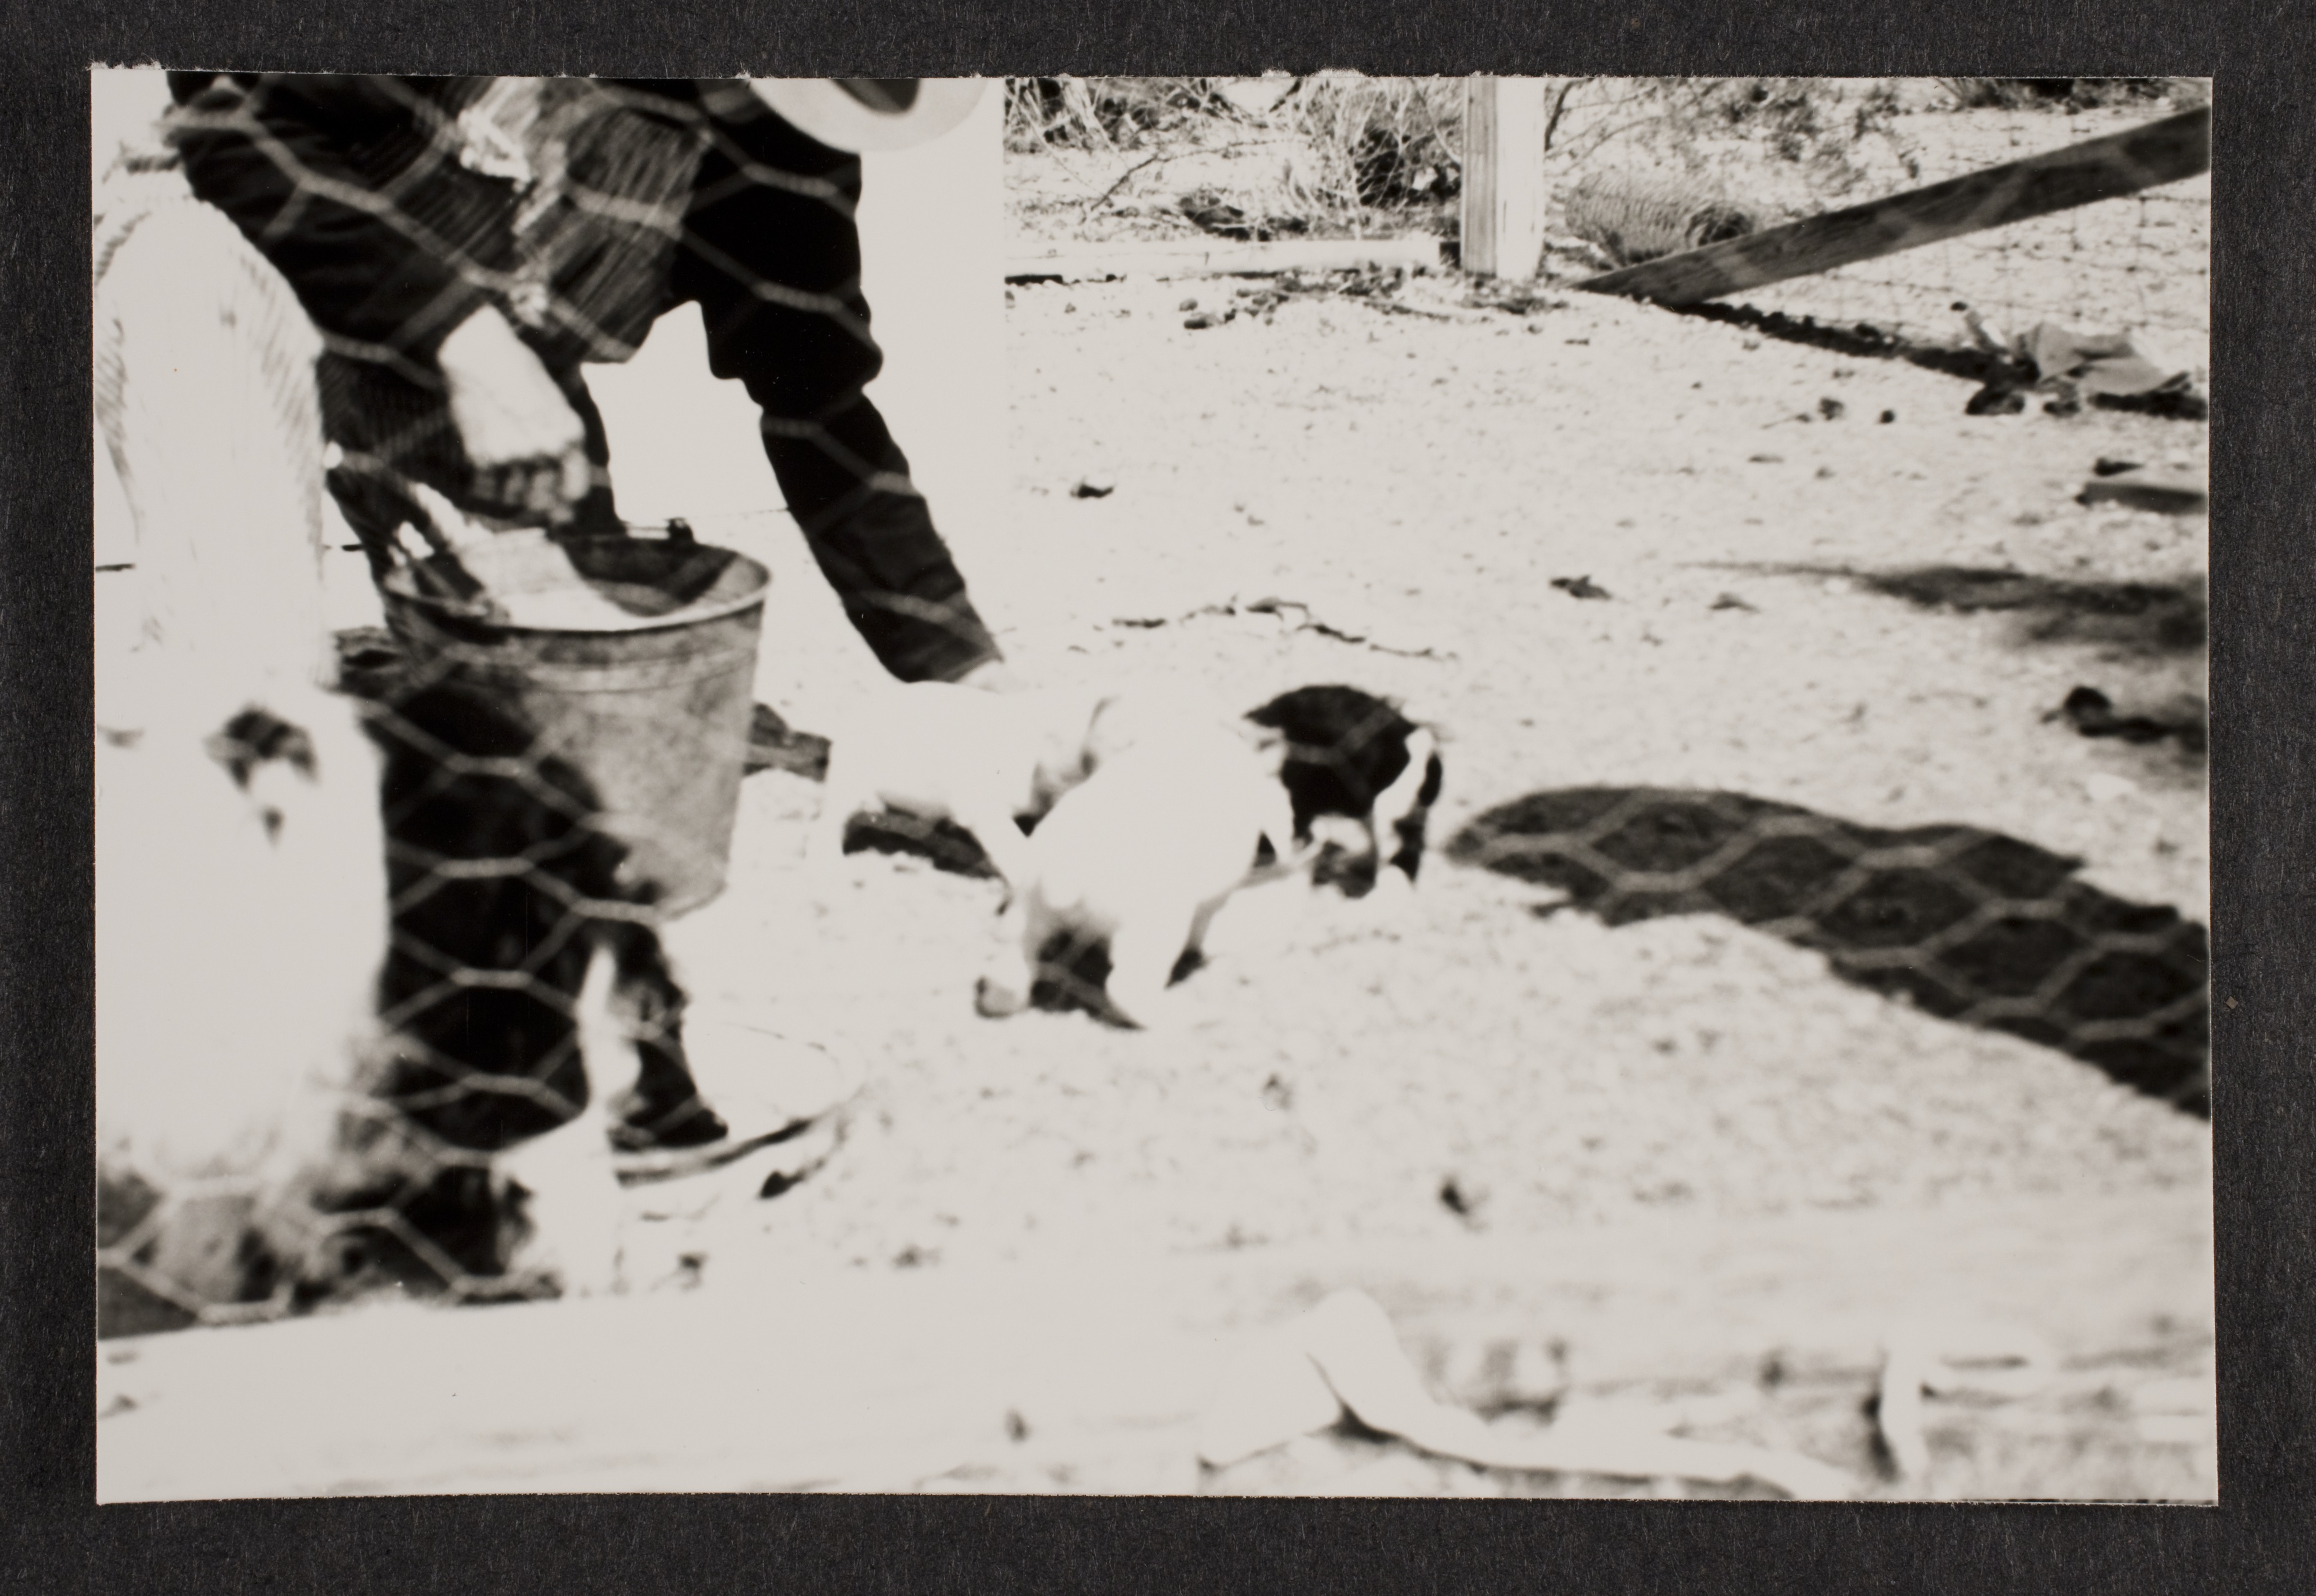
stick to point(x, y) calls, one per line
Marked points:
point(1178, 805)
point(1140, 856)
point(1351, 754)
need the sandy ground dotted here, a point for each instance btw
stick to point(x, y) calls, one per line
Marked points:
point(1681, 1152)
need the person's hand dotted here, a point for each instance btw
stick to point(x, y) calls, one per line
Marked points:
point(528, 445)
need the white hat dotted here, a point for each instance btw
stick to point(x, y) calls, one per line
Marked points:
point(862, 114)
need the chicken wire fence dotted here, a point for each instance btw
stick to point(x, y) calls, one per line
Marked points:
point(579, 210)
point(1964, 924)
point(508, 880)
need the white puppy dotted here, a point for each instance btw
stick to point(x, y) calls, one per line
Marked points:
point(942, 752)
point(1142, 855)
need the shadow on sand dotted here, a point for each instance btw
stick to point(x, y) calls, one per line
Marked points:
point(1964, 924)
point(2154, 620)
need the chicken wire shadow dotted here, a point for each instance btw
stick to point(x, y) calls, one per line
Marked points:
point(1964, 924)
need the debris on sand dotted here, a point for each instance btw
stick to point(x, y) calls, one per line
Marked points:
point(2093, 714)
point(1994, 1364)
point(1579, 587)
point(1463, 1199)
point(2164, 492)
point(2096, 365)
point(1375, 286)
point(1512, 297)
point(1730, 600)
point(1292, 614)
point(2105, 369)
point(1093, 488)
point(1209, 212)
point(1343, 1359)
point(1831, 409)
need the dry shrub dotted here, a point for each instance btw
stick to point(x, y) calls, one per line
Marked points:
point(1343, 151)
point(1346, 144)
point(1634, 218)
point(1106, 114)
point(1351, 148)
point(1790, 143)
point(1379, 143)
point(2070, 93)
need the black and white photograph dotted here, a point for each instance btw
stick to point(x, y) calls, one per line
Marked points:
point(1312, 785)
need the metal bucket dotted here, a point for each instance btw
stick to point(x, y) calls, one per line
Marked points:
point(633, 660)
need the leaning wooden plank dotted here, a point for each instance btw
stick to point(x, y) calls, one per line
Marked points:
point(2123, 162)
point(1080, 262)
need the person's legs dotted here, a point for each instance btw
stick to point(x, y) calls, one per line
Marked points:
point(499, 874)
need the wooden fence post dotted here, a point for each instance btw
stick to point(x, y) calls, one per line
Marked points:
point(1503, 176)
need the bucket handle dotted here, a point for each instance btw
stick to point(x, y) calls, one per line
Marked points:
point(452, 585)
